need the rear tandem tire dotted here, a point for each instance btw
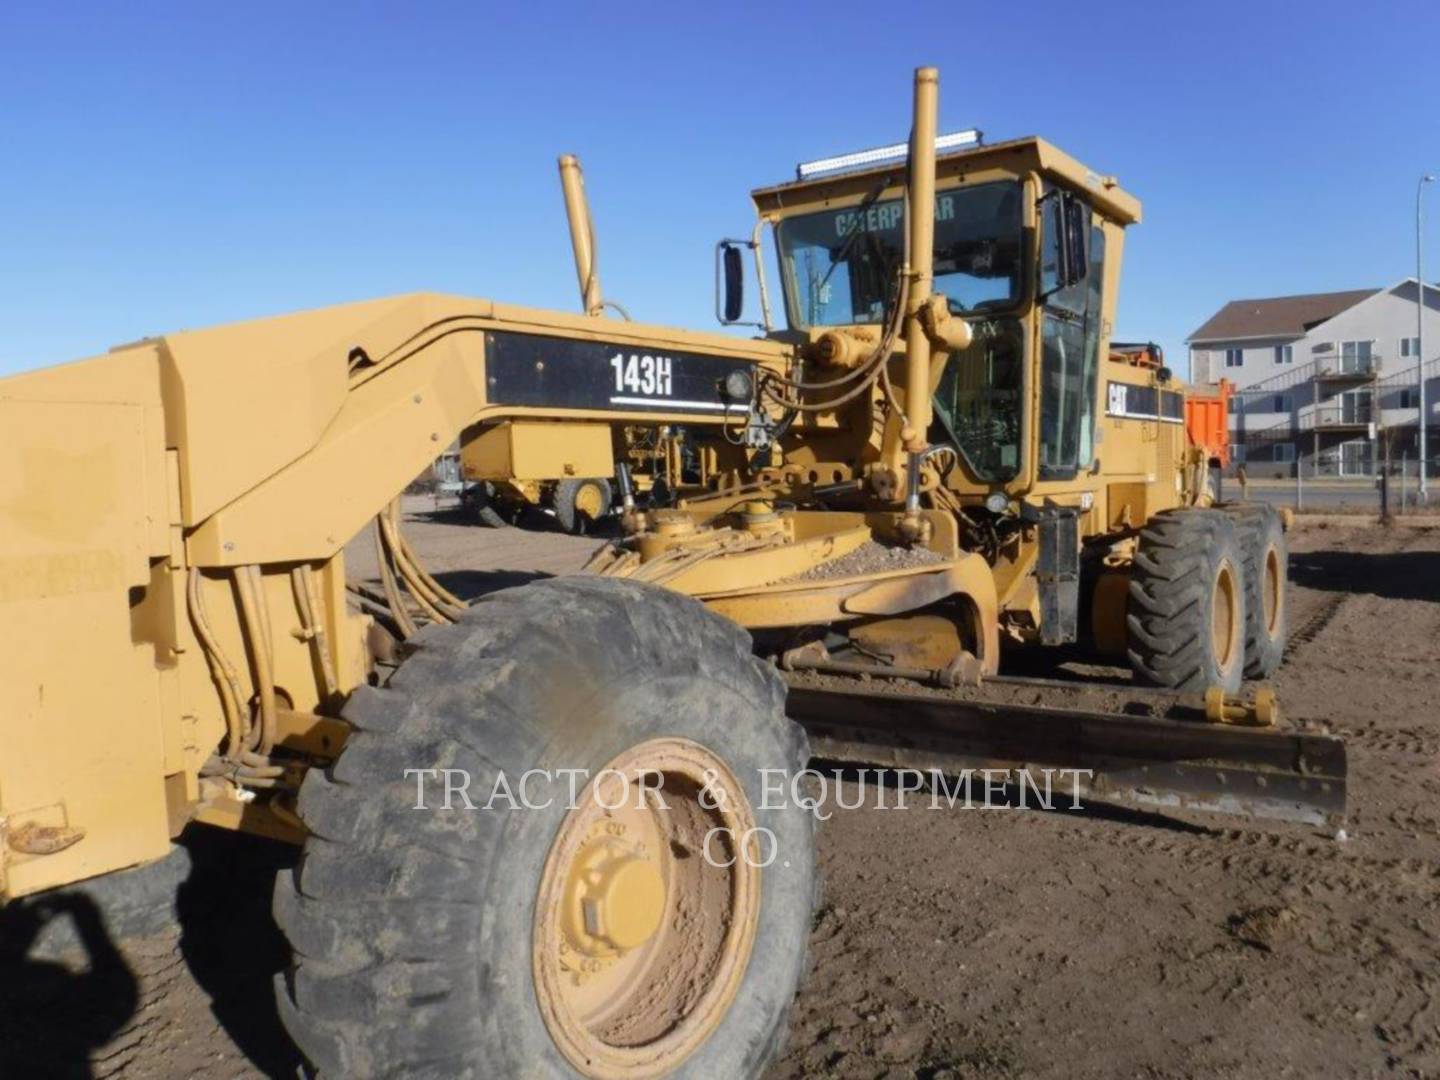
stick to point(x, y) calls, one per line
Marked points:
point(417, 934)
point(579, 502)
point(1186, 618)
point(1266, 555)
point(480, 499)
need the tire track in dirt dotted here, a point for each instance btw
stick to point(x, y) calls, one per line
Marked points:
point(1315, 623)
point(1320, 609)
point(1310, 897)
point(1413, 742)
point(162, 972)
point(1347, 932)
point(1299, 860)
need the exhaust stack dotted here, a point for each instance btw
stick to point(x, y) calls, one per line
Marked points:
point(921, 223)
point(582, 234)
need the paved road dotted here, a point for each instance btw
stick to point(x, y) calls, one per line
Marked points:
point(1353, 495)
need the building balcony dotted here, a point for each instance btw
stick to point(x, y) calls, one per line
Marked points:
point(1338, 370)
point(1352, 377)
point(1353, 417)
point(1339, 417)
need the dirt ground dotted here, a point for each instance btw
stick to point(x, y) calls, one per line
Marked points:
point(987, 943)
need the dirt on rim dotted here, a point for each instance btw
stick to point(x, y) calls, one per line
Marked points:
point(983, 943)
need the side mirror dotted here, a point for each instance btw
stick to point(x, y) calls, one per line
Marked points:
point(729, 282)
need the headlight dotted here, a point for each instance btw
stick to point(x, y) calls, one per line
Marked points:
point(736, 386)
point(997, 502)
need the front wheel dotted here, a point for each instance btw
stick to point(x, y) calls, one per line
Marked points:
point(1186, 618)
point(623, 900)
point(1267, 558)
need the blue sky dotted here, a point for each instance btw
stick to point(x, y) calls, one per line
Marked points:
point(170, 166)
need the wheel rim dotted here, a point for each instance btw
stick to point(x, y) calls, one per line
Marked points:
point(1224, 617)
point(641, 936)
point(1272, 591)
point(589, 501)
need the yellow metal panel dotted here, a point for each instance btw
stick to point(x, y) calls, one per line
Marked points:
point(488, 455)
point(126, 378)
point(269, 387)
point(80, 701)
point(539, 450)
point(390, 427)
point(543, 451)
point(1128, 505)
point(273, 386)
point(73, 517)
point(827, 601)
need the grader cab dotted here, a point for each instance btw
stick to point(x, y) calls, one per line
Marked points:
point(937, 459)
point(955, 401)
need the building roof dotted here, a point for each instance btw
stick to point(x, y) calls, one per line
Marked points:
point(1277, 316)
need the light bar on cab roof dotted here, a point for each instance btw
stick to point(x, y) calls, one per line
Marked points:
point(861, 158)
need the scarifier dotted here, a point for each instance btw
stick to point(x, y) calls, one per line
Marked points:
point(940, 456)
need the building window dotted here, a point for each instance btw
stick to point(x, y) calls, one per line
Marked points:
point(1409, 347)
point(1355, 458)
point(1284, 354)
point(1285, 453)
point(1356, 357)
point(1281, 403)
point(1237, 453)
point(1234, 357)
point(1234, 405)
point(1409, 398)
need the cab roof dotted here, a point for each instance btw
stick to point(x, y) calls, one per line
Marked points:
point(1017, 156)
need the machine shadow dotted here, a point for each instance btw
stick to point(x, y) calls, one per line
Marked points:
point(231, 944)
point(53, 1015)
point(1390, 575)
point(1068, 663)
point(473, 584)
point(452, 513)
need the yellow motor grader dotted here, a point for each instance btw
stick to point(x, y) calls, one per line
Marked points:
point(537, 839)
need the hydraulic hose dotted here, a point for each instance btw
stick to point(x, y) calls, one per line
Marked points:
point(403, 622)
point(302, 580)
point(250, 585)
point(227, 680)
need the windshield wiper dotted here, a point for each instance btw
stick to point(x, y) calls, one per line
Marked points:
point(855, 230)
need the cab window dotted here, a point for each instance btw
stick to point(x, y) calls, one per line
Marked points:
point(1070, 356)
point(839, 266)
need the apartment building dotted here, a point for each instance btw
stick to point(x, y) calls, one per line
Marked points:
point(1325, 379)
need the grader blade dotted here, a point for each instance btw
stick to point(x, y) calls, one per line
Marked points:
point(1115, 756)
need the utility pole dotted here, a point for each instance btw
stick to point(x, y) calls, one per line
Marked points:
point(1385, 479)
point(1420, 323)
